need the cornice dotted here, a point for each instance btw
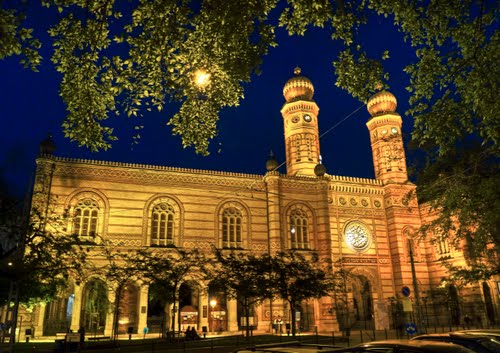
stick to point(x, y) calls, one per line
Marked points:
point(150, 174)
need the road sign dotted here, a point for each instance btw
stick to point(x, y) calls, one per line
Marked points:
point(411, 328)
point(407, 305)
point(406, 291)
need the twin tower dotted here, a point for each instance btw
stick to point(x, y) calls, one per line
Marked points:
point(300, 118)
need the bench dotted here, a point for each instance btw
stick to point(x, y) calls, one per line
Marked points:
point(61, 336)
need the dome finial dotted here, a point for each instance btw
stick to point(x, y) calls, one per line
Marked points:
point(298, 88)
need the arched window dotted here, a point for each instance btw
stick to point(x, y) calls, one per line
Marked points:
point(162, 225)
point(231, 228)
point(86, 219)
point(443, 246)
point(299, 229)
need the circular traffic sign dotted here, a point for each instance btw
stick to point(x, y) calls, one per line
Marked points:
point(411, 328)
point(406, 291)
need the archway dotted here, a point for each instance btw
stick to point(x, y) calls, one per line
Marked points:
point(127, 314)
point(189, 297)
point(362, 303)
point(58, 313)
point(305, 316)
point(95, 306)
point(488, 303)
point(157, 308)
point(217, 307)
point(241, 314)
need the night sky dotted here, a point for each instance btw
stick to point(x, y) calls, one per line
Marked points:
point(30, 109)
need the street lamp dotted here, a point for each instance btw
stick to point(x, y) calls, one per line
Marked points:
point(201, 78)
point(213, 303)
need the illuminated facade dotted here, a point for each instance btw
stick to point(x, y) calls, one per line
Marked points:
point(365, 226)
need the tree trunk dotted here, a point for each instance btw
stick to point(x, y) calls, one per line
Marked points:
point(119, 291)
point(292, 309)
point(247, 317)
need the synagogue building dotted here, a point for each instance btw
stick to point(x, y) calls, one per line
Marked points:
point(366, 226)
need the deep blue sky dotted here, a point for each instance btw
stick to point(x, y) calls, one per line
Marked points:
point(30, 108)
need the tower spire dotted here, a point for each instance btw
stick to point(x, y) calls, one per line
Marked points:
point(300, 119)
point(384, 125)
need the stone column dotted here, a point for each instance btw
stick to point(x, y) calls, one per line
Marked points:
point(232, 315)
point(108, 325)
point(39, 317)
point(142, 321)
point(203, 317)
point(77, 308)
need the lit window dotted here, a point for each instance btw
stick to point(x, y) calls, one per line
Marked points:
point(86, 219)
point(299, 229)
point(443, 246)
point(162, 225)
point(231, 228)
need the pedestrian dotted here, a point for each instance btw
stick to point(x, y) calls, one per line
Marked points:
point(467, 321)
point(194, 335)
point(81, 331)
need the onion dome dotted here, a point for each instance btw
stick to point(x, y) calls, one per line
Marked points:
point(382, 102)
point(319, 170)
point(298, 88)
point(271, 163)
point(47, 146)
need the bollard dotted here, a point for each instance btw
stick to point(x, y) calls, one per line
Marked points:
point(385, 331)
point(361, 336)
point(333, 338)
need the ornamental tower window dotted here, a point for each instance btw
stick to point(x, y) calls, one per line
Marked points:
point(299, 237)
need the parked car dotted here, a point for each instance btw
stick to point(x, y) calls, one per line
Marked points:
point(476, 343)
point(483, 332)
point(405, 346)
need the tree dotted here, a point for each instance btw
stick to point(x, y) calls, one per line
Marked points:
point(167, 269)
point(117, 57)
point(118, 270)
point(295, 278)
point(41, 262)
point(244, 277)
point(339, 280)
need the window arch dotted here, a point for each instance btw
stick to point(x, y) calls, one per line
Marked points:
point(231, 228)
point(299, 229)
point(163, 221)
point(162, 225)
point(411, 244)
point(86, 219)
point(232, 225)
point(89, 211)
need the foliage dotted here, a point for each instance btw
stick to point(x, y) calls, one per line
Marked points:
point(463, 189)
point(43, 259)
point(294, 278)
point(167, 269)
point(339, 281)
point(134, 57)
point(245, 278)
point(119, 270)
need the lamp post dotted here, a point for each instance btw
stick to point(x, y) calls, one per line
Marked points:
point(213, 303)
